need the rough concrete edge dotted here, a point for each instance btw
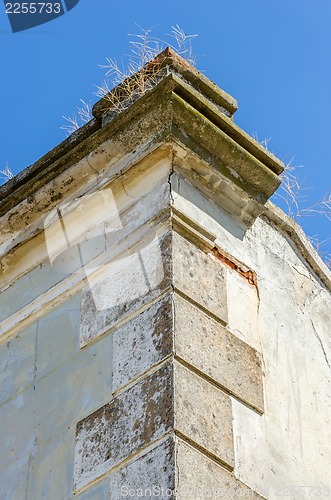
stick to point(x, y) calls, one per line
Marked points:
point(226, 124)
point(206, 86)
point(169, 58)
point(297, 235)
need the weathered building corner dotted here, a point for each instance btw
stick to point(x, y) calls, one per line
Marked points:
point(164, 329)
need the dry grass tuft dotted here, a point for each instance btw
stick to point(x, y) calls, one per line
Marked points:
point(293, 194)
point(6, 174)
point(83, 115)
point(125, 83)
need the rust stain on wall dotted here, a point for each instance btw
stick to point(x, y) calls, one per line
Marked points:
point(232, 263)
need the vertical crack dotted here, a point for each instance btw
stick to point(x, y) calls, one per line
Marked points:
point(170, 176)
point(321, 344)
point(177, 479)
point(89, 164)
point(170, 186)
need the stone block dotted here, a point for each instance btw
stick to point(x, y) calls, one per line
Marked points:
point(131, 421)
point(199, 276)
point(200, 478)
point(152, 475)
point(126, 284)
point(203, 414)
point(142, 342)
point(145, 412)
point(208, 346)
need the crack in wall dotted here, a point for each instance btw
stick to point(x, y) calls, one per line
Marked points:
point(321, 344)
point(177, 479)
point(172, 200)
point(124, 189)
point(92, 168)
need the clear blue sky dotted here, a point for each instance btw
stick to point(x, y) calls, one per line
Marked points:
point(273, 56)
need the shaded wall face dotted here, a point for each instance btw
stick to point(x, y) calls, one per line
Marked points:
point(49, 381)
point(144, 358)
point(52, 373)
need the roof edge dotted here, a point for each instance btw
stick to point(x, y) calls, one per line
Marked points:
point(171, 60)
point(94, 132)
point(297, 235)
